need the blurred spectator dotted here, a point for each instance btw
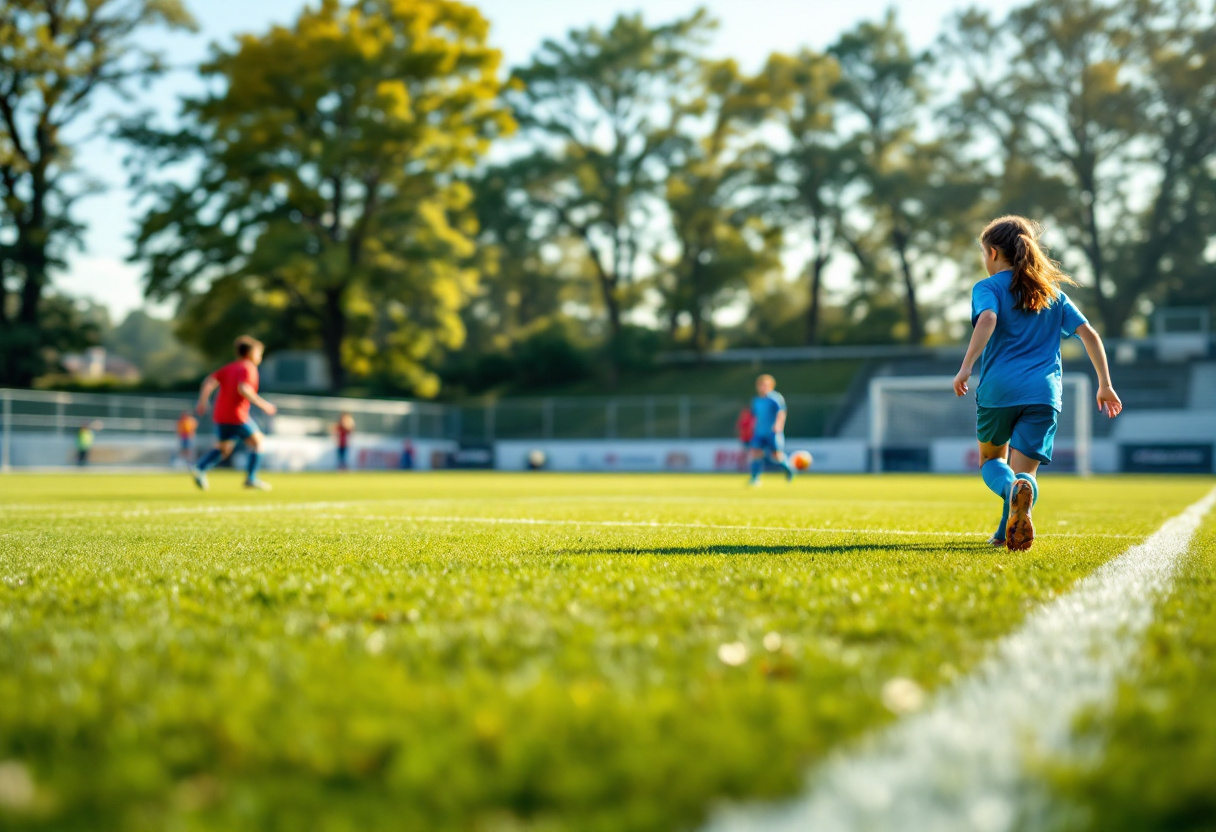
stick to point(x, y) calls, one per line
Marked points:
point(84, 443)
point(187, 426)
point(342, 431)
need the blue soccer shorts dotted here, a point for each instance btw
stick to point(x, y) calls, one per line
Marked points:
point(1028, 428)
point(771, 443)
point(229, 433)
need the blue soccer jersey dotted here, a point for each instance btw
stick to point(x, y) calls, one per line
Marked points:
point(765, 409)
point(1021, 364)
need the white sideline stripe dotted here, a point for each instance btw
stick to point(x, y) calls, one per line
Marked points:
point(649, 524)
point(958, 766)
point(522, 521)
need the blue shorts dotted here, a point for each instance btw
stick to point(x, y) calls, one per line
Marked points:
point(772, 443)
point(229, 433)
point(1028, 428)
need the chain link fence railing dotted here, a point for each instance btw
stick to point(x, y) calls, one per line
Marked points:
point(624, 417)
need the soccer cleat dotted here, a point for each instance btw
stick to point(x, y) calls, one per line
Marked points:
point(996, 541)
point(200, 478)
point(260, 485)
point(1019, 532)
point(789, 473)
point(753, 483)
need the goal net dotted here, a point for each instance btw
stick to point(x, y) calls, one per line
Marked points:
point(918, 424)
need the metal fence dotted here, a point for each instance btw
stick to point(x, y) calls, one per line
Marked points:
point(630, 417)
point(625, 417)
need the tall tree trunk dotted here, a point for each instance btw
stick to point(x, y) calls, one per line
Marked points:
point(613, 305)
point(25, 359)
point(814, 308)
point(915, 328)
point(333, 333)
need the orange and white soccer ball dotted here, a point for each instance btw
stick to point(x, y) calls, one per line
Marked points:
point(802, 460)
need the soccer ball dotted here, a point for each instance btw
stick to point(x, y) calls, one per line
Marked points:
point(802, 460)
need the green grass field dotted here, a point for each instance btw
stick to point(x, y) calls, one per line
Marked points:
point(541, 652)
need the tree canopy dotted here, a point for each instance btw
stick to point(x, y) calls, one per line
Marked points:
point(56, 57)
point(326, 206)
point(354, 182)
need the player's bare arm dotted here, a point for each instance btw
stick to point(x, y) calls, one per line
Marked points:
point(208, 387)
point(246, 390)
point(985, 325)
point(1107, 398)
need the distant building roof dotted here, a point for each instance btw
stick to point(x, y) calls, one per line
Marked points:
point(95, 364)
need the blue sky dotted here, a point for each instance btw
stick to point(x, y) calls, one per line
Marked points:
point(749, 31)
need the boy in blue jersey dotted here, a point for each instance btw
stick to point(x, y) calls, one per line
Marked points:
point(768, 434)
point(1019, 314)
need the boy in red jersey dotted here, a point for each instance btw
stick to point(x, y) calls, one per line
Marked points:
point(238, 386)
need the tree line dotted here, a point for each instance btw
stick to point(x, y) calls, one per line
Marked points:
point(370, 181)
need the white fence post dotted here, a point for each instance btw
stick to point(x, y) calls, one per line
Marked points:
point(6, 444)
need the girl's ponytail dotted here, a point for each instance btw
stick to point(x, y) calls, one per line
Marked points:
point(1036, 277)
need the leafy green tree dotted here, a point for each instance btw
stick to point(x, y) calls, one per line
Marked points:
point(724, 242)
point(883, 87)
point(151, 344)
point(812, 172)
point(1105, 112)
point(523, 290)
point(325, 192)
point(56, 58)
point(603, 110)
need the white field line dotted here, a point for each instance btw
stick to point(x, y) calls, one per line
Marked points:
point(312, 508)
point(654, 524)
point(959, 765)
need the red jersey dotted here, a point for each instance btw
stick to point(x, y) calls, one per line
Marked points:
point(746, 425)
point(231, 408)
point(343, 433)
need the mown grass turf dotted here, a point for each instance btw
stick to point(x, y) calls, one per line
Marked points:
point(1157, 769)
point(372, 652)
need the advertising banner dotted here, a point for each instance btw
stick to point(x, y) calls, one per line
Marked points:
point(1165, 458)
point(702, 455)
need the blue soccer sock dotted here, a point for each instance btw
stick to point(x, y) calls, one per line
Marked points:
point(251, 470)
point(999, 534)
point(789, 469)
point(212, 459)
point(999, 478)
point(757, 467)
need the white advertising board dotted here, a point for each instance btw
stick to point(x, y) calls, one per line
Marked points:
point(52, 450)
point(702, 455)
point(956, 456)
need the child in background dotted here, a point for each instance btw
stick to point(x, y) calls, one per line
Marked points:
point(238, 389)
point(187, 426)
point(84, 443)
point(342, 431)
point(768, 431)
point(1019, 314)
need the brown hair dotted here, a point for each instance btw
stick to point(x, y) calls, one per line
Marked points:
point(1036, 277)
point(246, 344)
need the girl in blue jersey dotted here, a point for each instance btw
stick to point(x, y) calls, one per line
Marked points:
point(1019, 315)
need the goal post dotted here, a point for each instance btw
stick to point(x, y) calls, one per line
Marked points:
point(910, 416)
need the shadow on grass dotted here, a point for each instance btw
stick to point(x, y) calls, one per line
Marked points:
point(952, 547)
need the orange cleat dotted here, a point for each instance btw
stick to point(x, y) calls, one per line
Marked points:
point(1019, 531)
